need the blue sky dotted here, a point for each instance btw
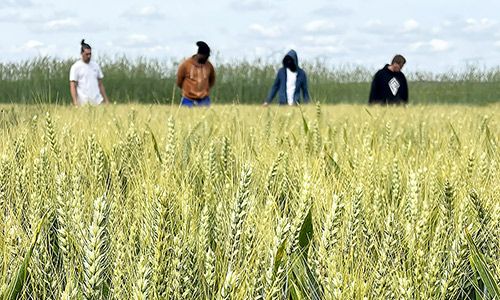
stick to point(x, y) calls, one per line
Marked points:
point(434, 35)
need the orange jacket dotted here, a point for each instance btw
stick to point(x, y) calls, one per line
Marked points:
point(195, 79)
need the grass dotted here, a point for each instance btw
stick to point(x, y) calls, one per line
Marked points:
point(45, 80)
point(239, 202)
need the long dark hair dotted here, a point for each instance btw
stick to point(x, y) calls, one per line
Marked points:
point(85, 46)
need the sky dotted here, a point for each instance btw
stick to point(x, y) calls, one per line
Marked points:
point(434, 35)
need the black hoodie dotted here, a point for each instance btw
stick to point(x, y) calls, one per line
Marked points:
point(389, 87)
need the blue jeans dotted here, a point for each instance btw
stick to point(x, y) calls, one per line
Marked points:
point(200, 102)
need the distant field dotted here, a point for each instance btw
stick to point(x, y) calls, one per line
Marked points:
point(247, 202)
point(46, 80)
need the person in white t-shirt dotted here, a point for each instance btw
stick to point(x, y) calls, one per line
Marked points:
point(85, 80)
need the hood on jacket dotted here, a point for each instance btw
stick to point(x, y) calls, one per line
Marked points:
point(293, 55)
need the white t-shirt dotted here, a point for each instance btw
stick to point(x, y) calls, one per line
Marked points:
point(291, 79)
point(86, 77)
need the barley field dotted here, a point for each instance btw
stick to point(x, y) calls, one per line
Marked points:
point(247, 202)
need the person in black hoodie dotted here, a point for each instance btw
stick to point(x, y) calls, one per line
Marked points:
point(389, 84)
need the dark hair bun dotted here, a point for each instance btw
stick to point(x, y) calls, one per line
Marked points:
point(203, 48)
point(83, 42)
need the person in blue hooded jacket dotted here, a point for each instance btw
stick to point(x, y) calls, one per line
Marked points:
point(289, 81)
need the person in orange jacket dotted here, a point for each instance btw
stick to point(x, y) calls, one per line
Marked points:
point(196, 76)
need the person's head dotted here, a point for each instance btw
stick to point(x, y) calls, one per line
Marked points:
point(86, 52)
point(398, 63)
point(289, 63)
point(203, 52)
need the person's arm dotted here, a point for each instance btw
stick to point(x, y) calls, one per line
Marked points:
point(404, 90)
point(73, 79)
point(180, 75)
point(103, 91)
point(211, 77)
point(72, 90)
point(274, 89)
point(374, 90)
point(305, 89)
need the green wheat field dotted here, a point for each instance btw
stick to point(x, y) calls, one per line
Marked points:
point(45, 80)
point(245, 202)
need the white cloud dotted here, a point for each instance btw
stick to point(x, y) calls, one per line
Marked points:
point(37, 19)
point(320, 26)
point(447, 23)
point(434, 45)
point(250, 5)
point(373, 23)
point(438, 45)
point(410, 25)
point(146, 13)
point(31, 47)
point(317, 51)
point(16, 3)
point(414, 47)
point(32, 44)
point(436, 30)
point(267, 32)
point(61, 25)
point(138, 40)
point(497, 44)
point(18, 16)
point(375, 26)
point(320, 41)
point(332, 9)
point(479, 25)
point(9, 16)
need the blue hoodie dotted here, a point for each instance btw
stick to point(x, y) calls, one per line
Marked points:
point(279, 85)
